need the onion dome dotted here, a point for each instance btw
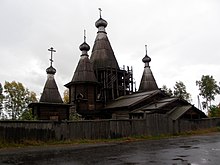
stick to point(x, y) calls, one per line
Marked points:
point(146, 59)
point(101, 22)
point(84, 47)
point(51, 70)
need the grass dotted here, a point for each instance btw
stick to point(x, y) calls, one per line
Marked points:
point(200, 131)
point(27, 143)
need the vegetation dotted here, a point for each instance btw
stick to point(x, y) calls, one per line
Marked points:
point(1, 100)
point(178, 91)
point(16, 99)
point(66, 96)
point(167, 90)
point(214, 111)
point(208, 88)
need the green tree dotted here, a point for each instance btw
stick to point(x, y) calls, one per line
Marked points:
point(17, 98)
point(27, 113)
point(208, 89)
point(180, 91)
point(1, 100)
point(167, 90)
point(214, 111)
point(66, 96)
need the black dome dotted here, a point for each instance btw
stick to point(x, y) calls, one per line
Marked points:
point(84, 46)
point(101, 22)
point(51, 70)
point(146, 59)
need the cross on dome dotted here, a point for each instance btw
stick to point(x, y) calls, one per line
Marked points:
point(100, 12)
point(146, 48)
point(84, 35)
point(51, 55)
point(84, 47)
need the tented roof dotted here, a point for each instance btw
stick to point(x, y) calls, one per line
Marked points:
point(50, 93)
point(102, 53)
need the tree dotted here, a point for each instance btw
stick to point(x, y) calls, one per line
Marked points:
point(1, 100)
point(167, 91)
point(66, 96)
point(17, 98)
point(180, 91)
point(214, 111)
point(27, 113)
point(208, 89)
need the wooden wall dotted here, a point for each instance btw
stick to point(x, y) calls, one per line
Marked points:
point(153, 125)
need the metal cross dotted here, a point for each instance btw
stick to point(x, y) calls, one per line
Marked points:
point(51, 55)
point(100, 12)
point(84, 35)
point(146, 48)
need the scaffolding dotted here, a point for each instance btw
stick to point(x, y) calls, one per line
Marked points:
point(114, 82)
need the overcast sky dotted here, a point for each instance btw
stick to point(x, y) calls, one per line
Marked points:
point(183, 38)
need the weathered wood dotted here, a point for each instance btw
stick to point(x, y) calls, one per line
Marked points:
point(153, 125)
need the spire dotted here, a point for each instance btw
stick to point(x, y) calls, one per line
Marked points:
point(102, 53)
point(50, 93)
point(148, 82)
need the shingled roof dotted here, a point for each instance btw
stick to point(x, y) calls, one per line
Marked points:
point(148, 82)
point(102, 52)
point(84, 72)
point(131, 100)
point(50, 93)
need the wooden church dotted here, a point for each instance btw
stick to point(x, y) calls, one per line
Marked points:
point(100, 89)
